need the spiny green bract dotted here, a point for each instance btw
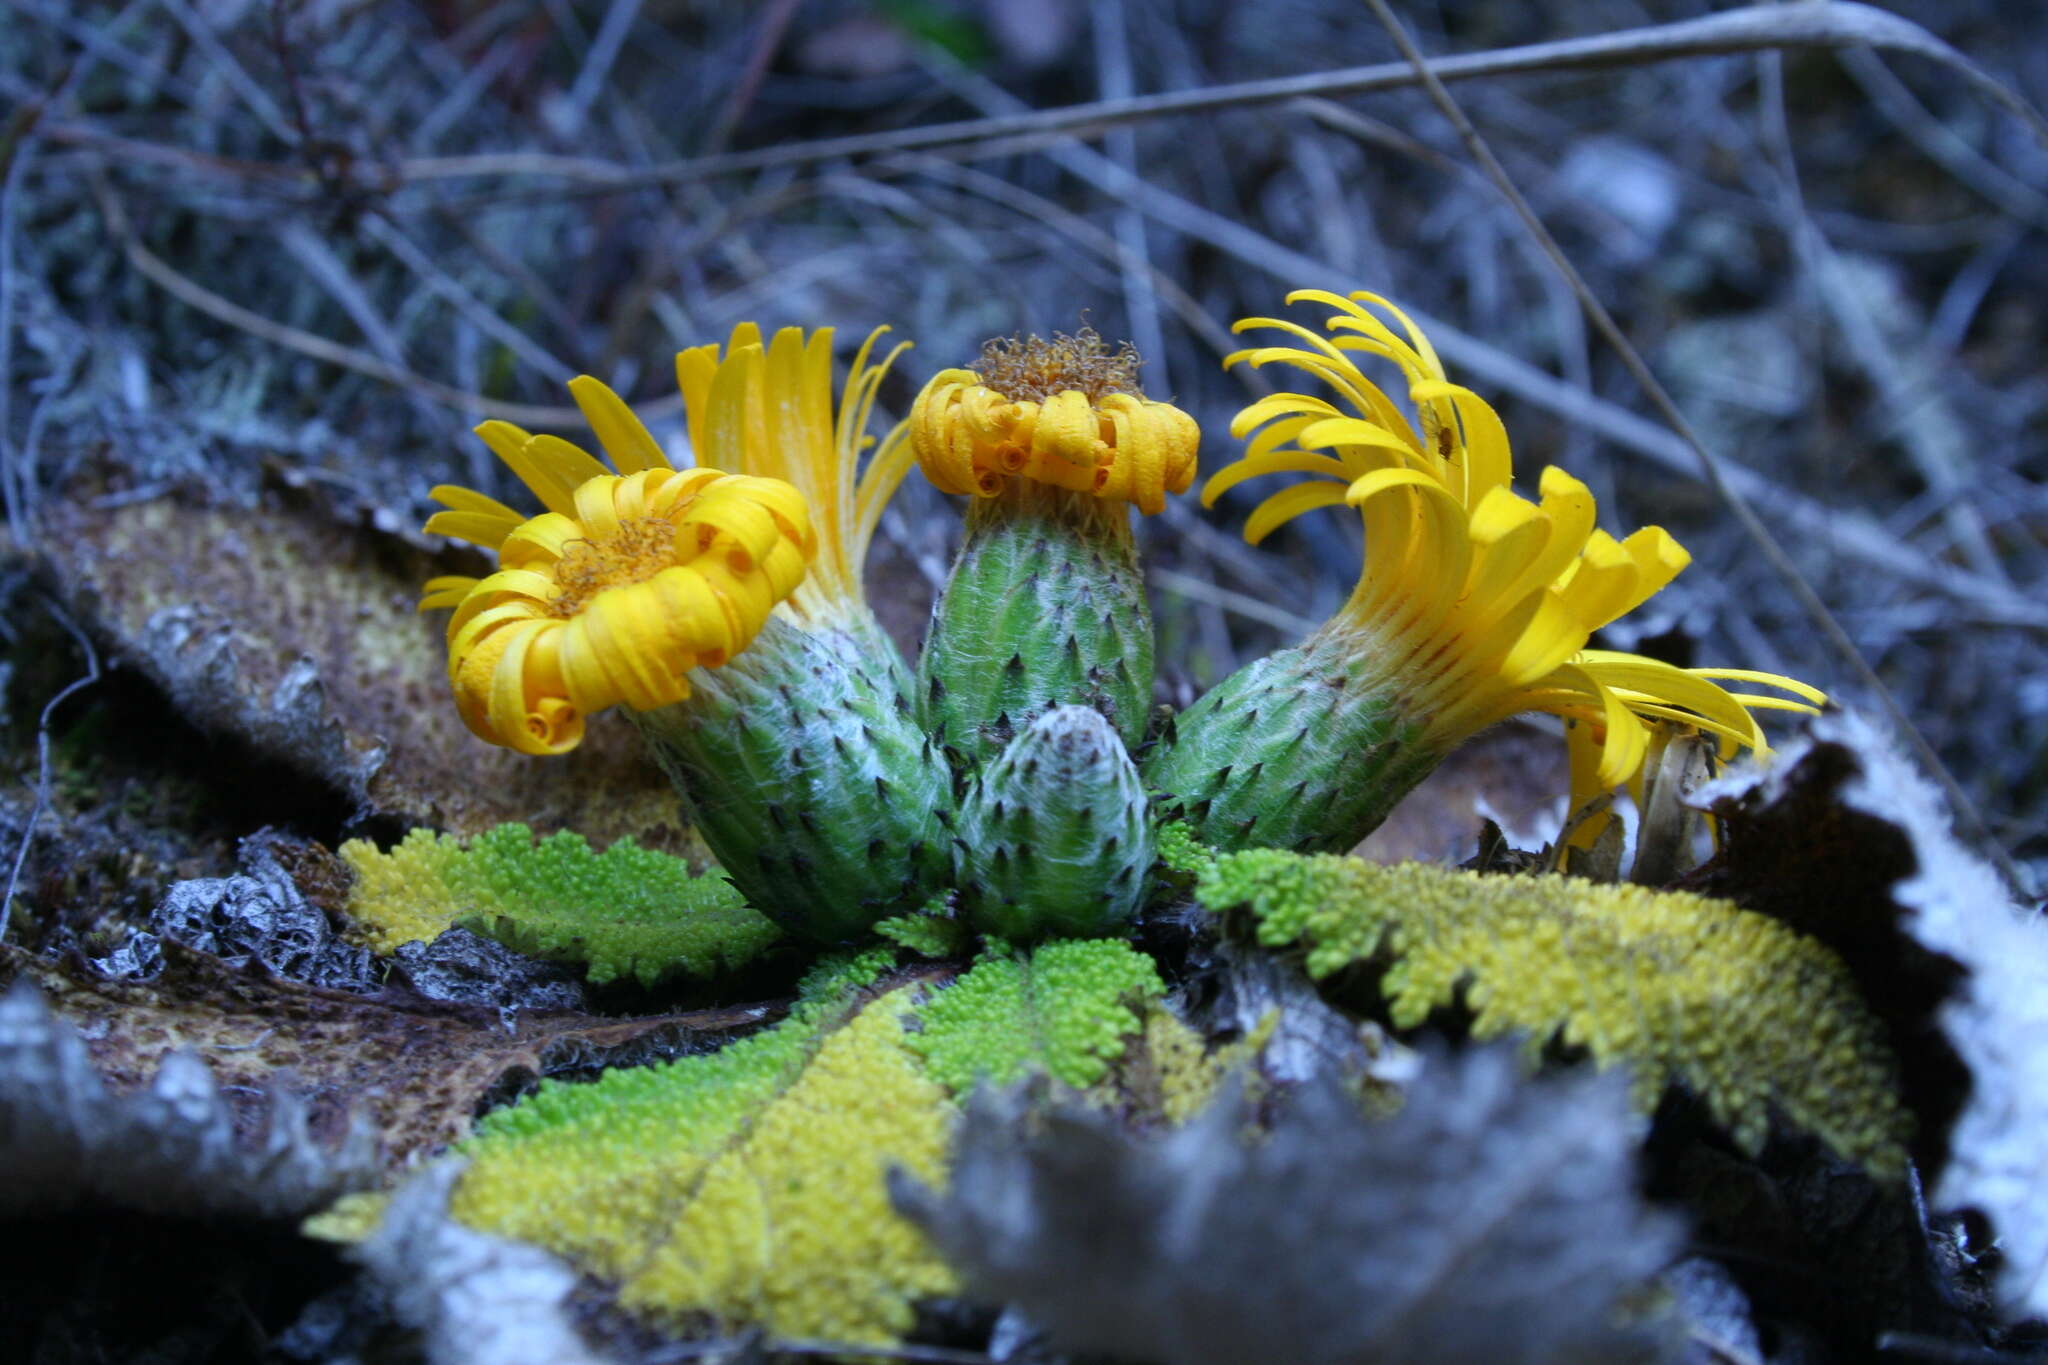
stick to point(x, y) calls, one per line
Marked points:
point(1055, 833)
point(628, 911)
point(803, 770)
point(1306, 749)
point(1062, 1007)
point(747, 1185)
point(1751, 1015)
point(1045, 606)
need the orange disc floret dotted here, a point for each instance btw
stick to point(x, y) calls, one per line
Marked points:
point(1064, 412)
point(619, 589)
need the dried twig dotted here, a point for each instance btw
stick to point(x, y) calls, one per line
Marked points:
point(333, 352)
point(1837, 25)
point(1113, 72)
point(42, 799)
point(775, 19)
point(1941, 143)
point(597, 63)
point(1241, 604)
point(1927, 427)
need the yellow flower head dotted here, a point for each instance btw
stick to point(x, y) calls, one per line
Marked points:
point(631, 579)
point(1475, 601)
point(613, 594)
point(1065, 412)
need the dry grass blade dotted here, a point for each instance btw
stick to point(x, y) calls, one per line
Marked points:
point(42, 798)
point(1927, 426)
point(1745, 30)
point(333, 352)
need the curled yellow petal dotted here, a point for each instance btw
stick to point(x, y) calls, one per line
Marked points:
point(1474, 602)
point(616, 594)
point(1064, 412)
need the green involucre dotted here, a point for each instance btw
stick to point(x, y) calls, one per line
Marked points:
point(1303, 749)
point(804, 771)
point(1064, 1007)
point(1750, 1015)
point(1045, 607)
point(1055, 833)
point(628, 911)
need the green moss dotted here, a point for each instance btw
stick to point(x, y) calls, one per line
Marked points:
point(1065, 1007)
point(1180, 851)
point(746, 1186)
point(931, 932)
point(628, 911)
point(1750, 1015)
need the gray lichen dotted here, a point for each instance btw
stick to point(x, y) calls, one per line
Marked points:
point(1493, 1220)
point(170, 1147)
point(475, 1299)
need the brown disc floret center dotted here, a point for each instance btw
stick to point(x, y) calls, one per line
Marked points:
point(641, 548)
point(1032, 369)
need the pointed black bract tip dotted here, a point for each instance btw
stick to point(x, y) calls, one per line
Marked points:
point(876, 848)
point(777, 816)
point(881, 789)
point(809, 821)
point(839, 744)
point(1015, 665)
point(1223, 775)
point(796, 757)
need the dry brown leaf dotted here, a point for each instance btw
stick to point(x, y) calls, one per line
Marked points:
point(295, 630)
point(416, 1068)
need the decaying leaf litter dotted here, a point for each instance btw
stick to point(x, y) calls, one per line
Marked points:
point(245, 300)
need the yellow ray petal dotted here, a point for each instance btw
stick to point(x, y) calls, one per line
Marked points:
point(624, 437)
point(1290, 503)
point(459, 499)
point(477, 528)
